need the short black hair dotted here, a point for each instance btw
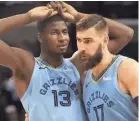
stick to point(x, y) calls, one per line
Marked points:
point(42, 24)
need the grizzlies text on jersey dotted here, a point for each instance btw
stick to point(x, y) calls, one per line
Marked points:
point(104, 100)
point(54, 94)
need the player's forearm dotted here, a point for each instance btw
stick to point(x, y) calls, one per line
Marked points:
point(9, 23)
point(80, 16)
point(118, 30)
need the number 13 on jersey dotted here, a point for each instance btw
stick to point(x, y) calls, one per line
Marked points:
point(65, 98)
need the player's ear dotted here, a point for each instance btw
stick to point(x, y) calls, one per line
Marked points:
point(105, 40)
point(40, 38)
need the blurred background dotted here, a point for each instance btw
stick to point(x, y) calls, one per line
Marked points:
point(125, 12)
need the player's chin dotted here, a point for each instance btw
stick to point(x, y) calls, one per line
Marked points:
point(62, 51)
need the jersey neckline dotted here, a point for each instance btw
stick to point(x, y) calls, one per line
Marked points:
point(96, 79)
point(47, 65)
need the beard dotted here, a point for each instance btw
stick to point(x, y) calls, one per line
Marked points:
point(95, 59)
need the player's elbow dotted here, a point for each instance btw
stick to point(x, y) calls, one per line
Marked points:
point(129, 34)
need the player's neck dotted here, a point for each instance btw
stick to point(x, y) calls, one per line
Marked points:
point(55, 60)
point(106, 60)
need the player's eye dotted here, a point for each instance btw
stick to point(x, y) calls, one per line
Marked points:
point(65, 31)
point(88, 41)
point(79, 40)
point(53, 33)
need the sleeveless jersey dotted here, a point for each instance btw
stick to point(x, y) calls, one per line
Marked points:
point(104, 100)
point(54, 94)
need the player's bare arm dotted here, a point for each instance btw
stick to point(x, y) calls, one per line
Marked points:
point(16, 21)
point(16, 59)
point(26, 117)
point(128, 78)
point(20, 61)
point(120, 33)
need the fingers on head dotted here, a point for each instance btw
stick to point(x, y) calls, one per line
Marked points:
point(53, 4)
point(49, 6)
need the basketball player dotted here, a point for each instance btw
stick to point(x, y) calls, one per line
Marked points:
point(110, 88)
point(49, 86)
point(51, 90)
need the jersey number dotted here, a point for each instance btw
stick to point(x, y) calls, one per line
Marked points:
point(100, 109)
point(65, 96)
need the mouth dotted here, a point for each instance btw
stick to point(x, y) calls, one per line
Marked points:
point(62, 46)
point(85, 57)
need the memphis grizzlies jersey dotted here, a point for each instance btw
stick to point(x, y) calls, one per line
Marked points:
point(54, 94)
point(104, 100)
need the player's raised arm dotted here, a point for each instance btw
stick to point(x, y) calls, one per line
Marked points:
point(120, 33)
point(8, 55)
point(14, 58)
point(35, 14)
point(20, 61)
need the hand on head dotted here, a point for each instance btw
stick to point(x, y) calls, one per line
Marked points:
point(41, 13)
point(65, 10)
point(51, 9)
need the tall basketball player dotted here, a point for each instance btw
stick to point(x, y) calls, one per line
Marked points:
point(110, 88)
point(49, 86)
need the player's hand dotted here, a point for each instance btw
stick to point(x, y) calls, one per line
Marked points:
point(65, 10)
point(40, 13)
point(79, 60)
point(26, 117)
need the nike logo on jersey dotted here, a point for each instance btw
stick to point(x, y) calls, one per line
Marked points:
point(65, 68)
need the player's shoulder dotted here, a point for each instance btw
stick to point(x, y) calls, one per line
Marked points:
point(128, 63)
point(128, 72)
point(127, 68)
